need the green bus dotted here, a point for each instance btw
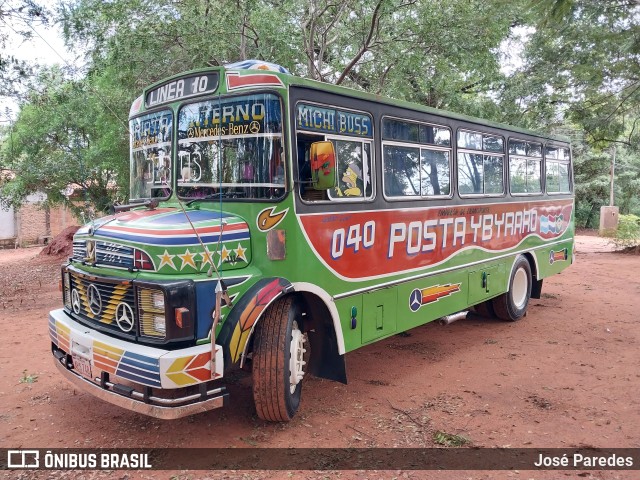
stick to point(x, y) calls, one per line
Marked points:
point(277, 223)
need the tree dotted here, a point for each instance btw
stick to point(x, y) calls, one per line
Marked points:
point(580, 66)
point(74, 132)
point(65, 137)
point(627, 180)
point(17, 19)
point(441, 54)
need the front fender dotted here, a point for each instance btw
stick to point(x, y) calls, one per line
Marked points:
point(244, 315)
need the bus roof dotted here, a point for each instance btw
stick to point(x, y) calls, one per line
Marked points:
point(337, 89)
point(292, 80)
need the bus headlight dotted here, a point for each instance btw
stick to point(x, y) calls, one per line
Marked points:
point(159, 324)
point(157, 299)
point(166, 312)
point(151, 311)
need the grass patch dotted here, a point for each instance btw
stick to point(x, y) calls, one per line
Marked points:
point(31, 378)
point(449, 439)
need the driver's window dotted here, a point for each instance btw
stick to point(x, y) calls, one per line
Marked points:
point(353, 170)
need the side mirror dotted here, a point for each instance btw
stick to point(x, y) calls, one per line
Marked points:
point(323, 165)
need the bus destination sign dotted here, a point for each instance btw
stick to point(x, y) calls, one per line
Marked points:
point(331, 120)
point(185, 87)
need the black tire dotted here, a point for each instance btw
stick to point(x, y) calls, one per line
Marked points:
point(485, 309)
point(512, 305)
point(272, 385)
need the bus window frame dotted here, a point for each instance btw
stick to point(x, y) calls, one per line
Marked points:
point(420, 146)
point(151, 111)
point(284, 139)
point(324, 136)
point(484, 153)
point(568, 162)
point(526, 158)
point(418, 122)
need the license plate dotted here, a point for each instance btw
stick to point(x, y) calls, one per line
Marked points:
point(82, 366)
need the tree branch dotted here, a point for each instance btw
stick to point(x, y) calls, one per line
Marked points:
point(366, 45)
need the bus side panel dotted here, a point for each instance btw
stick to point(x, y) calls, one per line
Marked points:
point(430, 298)
point(379, 314)
point(350, 311)
point(554, 258)
point(487, 281)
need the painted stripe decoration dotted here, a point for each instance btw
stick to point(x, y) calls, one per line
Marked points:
point(361, 245)
point(236, 81)
point(52, 331)
point(177, 240)
point(253, 64)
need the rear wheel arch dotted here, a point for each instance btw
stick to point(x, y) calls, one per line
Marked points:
point(536, 287)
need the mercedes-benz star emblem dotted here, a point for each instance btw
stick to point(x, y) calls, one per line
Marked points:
point(75, 301)
point(415, 300)
point(95, 301)
point(124, 317)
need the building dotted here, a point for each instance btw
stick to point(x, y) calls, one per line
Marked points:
point(32, 223)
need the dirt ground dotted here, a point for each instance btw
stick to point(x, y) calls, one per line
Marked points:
point(565, 376)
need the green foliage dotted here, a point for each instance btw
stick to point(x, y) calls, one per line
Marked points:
point(65, 136)
point(581, 67)
point(592, 171)
point(17, 19)
point(437, 53)
point(627, 235)
point(592, 180)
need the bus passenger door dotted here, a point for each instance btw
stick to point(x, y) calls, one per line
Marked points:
point(379, 313)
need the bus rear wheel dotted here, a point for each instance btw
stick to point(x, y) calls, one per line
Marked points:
point(512, 305)
point(279, 355)
point(485, 309)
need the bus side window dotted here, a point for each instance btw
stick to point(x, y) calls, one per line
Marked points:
point(353, 166)
point(307, 192)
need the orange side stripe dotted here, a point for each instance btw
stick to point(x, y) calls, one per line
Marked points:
point(106, 368)
point(104, 360)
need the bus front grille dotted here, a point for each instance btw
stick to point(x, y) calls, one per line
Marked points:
point(103, 304)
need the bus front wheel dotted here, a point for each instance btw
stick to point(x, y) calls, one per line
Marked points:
point(513, 304)
point(279, 355)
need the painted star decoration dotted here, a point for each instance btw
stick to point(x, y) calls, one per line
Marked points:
point(187, 259)
point(206, 259)
point(224, 254)
point(240, 253)
point(166, 259)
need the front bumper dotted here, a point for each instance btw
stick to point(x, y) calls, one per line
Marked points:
point(160, 383)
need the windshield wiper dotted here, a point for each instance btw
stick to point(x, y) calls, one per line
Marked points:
point(151, 203)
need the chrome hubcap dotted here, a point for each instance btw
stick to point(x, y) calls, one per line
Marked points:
point(519, 288)
point(296, 363)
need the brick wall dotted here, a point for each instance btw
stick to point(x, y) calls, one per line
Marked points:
point(61, 218)
point(35, 224)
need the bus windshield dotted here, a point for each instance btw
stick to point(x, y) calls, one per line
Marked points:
point(151, 155)
point(231, 147)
